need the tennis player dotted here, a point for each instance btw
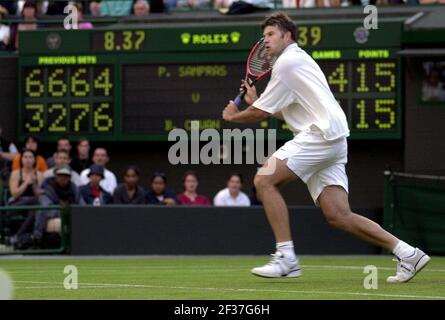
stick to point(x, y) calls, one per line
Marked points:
point(299, 94)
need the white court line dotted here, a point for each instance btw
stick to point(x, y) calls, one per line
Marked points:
point(200, 268)
point(118, 285)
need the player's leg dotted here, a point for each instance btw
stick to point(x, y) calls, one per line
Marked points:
point(335, 206)
point(284, 262)
point(274, 174)
point(334, 203)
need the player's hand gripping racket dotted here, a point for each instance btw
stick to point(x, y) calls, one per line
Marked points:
point(259, 65)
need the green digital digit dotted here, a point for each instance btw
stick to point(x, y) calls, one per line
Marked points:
point(55, 126)
point(33, 87)
point(103, 82)
point(140, 39)
point(385, 107)
point(362, 81)
point(80, 87)
point(362, 124)
point(128, 40)
point(84, 109)
point(37, 123)
point(337, 77)
point(315, 35)
point(109, 41)
point(386, 70)
point(56, 87)
point(102, 121)
point(302, 36)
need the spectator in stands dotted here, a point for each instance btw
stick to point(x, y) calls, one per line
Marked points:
point(100, 157)
point(168, 4)
point(62, 144)
point(193, 3)
point(159, 194)
point(24, 188)
point(242, 6)
point(8, 150)
point(190, 196)
point(95, 8)
point(41, 6)
point(31, 142)
point(82, 159)
point(432, 88)
point(141, 8)
point(24, 183)
point(5, 30)
point(7, 153)
point(93, 193)
point(316, 3)
point(115, 8)
point(29, 14)
point(80, 11)
point(129, 192)
point(58, 190)
point(62, 158)
point(232, 195)
point(431, 2)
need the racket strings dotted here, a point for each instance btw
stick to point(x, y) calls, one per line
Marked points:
point(260, 61)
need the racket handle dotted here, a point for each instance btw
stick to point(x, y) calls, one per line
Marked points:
point(239, 98)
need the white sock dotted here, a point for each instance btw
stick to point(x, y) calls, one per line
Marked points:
point(403, 250)
point(287, 248)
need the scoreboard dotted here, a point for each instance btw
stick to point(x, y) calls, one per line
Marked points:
point(139, 83)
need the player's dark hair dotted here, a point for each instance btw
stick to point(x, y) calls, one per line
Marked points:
point(236, 174)
point(283, 22)
point(131, 167)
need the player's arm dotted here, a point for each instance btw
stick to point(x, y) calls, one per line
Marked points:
point(278, 115)
point(249, 115)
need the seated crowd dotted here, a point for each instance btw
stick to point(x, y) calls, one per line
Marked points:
point(63, 179)
point(98, 185)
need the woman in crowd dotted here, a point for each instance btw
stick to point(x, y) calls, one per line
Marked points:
point(31, 143)
point(129, 192)
point(159, 194)
point(24, 186)
point(190, 196)
point(24, 182)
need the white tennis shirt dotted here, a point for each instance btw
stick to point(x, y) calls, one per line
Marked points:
point(299, 89)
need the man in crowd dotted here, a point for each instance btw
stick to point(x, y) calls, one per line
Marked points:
point(100, 157)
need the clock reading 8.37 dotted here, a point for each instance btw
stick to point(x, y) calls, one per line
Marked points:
point(127, 40)
point(68, 100)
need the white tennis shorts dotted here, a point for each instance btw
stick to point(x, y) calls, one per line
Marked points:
point(316, 161)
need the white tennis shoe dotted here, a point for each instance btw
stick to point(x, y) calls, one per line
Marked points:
point(408, 267)
point(279, 267)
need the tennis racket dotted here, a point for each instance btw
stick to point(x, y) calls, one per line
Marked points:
point(259, 65)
